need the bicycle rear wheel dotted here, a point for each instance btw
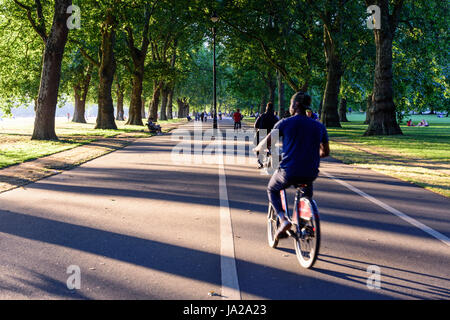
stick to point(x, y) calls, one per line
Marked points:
point(272, 226)
point(307, 243)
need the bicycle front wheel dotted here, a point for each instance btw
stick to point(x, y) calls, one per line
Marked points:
point(272, 226)
point(307, 243)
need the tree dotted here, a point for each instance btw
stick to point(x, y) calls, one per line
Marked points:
point(281, 97)
point(382, 117)
point(21, 56)
point(54, 44)
point(272, 30)
point(76, 79)
point(343, 110)
point(138, 56)
point(106, 62)
point(343, 40)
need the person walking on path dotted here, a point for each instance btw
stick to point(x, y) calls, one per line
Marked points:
point(237, 117)
point(266, 122)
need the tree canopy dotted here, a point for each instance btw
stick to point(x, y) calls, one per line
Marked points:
point(145, 54)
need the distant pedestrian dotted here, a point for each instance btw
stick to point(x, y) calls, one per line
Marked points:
point(311, 114)
point(265, 121)
point(237, 117)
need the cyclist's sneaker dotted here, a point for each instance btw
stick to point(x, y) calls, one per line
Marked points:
point(285, 225)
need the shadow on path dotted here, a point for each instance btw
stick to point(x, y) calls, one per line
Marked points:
point(173, 259)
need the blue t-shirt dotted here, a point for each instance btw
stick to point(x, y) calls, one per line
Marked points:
point(302, 137)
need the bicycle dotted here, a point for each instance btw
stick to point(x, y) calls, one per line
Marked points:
point(305, 227)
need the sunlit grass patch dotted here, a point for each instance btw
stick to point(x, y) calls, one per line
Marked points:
point(421, 155)
point(16, 145)
point(18, 148)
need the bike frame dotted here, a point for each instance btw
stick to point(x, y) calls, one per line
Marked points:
point(301, 209)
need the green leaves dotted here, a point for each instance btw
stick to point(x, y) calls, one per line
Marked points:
point(254, 38)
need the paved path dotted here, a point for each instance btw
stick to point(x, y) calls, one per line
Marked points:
point(141, 226)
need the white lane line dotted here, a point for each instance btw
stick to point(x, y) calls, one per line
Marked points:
point(394, 211)
point(230, 283)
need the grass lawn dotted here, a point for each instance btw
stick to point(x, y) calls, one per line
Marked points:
point(17, 147)
point(421, 155)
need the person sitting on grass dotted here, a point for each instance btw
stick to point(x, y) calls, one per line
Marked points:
point(423, 123)
point(152, 127)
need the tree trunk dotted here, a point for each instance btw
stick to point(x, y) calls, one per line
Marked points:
point(44, 122)
point(120, 96)
point(262, 107)
point(183, 108)
point(164, 96)
point(135, 111)
point(271, 86)
point(320, 108)
point(382, 116)
point(343, 110)
point(105, 116)
point(80, 106)
point(281, 100)
point(330, 116)
point(171, 86)
point(143, 108)
point(368, 107)
point(153, 108)
point(81, 92)
point(180, 108)
point(170, 104)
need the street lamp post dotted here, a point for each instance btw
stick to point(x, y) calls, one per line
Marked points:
point(214, 19)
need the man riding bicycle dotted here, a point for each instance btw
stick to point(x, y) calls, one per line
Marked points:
point(305, 141)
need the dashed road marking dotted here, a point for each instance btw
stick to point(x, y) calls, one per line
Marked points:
point(230, 283)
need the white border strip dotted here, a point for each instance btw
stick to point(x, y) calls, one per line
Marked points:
point(399, 214)
point(230, 283)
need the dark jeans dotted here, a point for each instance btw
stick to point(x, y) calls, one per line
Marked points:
point(237, 125)
point(279, 181)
